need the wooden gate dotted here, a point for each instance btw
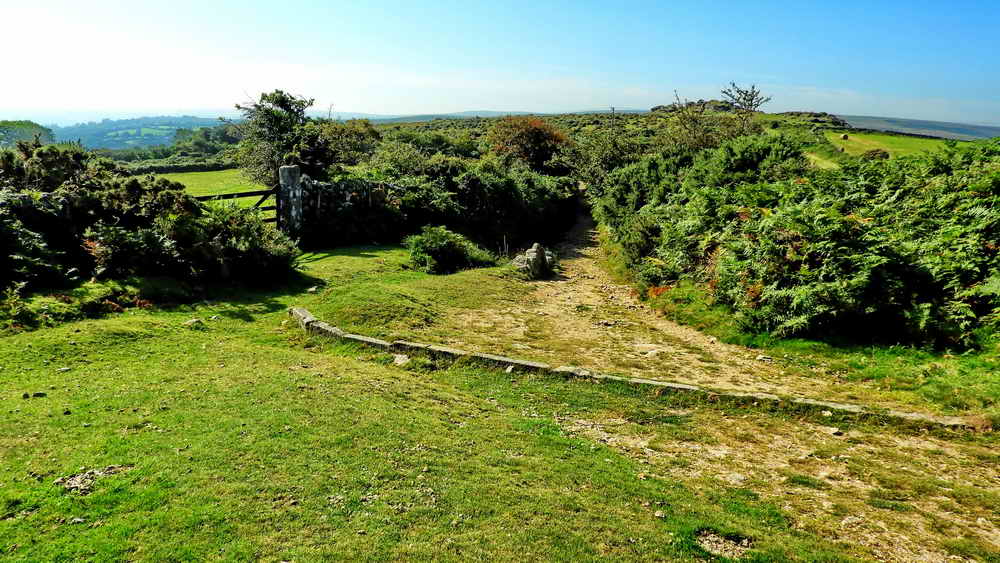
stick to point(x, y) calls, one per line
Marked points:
point(263, 194)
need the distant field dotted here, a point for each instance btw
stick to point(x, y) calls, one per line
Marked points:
point(897, 145)
point(214, 183)
point(220, 182)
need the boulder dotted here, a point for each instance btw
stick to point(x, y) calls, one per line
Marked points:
point(537, 262)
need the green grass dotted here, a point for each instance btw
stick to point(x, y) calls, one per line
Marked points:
point(252, 441)
point(220, 182)
point(214, 183)
point(897, 145)
point(953, 383)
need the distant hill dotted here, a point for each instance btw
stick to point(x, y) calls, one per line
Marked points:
point(14, 131)
point(961, 131)
point(130, 133)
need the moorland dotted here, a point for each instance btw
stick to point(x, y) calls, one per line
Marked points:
point(160, 404)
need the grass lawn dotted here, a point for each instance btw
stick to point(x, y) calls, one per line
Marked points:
point(897, 145)
point(243, 439)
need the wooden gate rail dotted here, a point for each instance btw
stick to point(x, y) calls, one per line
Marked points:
point(264, 195)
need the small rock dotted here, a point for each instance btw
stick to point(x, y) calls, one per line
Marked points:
point(659, 514)
point(826, 413)
point(763, 358)
point(194, 323)
point(77, 521)
point(63, 370)
point(400, 359)
point(313, 289)
point(833, 431)
point(736, 478)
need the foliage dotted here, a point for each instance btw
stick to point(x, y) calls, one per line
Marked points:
point(531, 140)
point(66, 214)
point(268, 134)
point(746, 103)
point(436, 250)
point(901, 250)
point(322, 144)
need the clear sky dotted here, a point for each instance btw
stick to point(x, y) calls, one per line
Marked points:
point(909, 58)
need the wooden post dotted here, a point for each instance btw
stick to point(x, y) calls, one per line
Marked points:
point(290, 200)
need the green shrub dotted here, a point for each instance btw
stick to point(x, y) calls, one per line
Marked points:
point(902, 250)
point(436, 250)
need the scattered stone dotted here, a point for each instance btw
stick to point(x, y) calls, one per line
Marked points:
point(827, 413)
point(659, 514)
point(194, 324)
point(833, 431)
point(313, 289)
point(736, 478)
point(763, 358)
point(63, 370)
point(724, 547)
point(400, 359)
point(77, 521)
point(83, 483)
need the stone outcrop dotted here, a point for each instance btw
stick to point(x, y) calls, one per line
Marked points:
point(537, 262)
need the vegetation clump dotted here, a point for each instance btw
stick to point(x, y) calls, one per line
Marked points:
point(67, 215)
point(436, 250)
point(898, 249)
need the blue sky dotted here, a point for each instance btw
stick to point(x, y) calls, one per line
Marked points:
point(917, 59)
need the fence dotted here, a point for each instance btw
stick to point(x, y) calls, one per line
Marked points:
point(264, 196)
point(299, 199)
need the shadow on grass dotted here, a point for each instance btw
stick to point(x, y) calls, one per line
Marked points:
point(347, 251)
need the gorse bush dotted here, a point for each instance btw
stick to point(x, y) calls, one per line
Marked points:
point(436, 250)
point(67, 215)
point(901, 250)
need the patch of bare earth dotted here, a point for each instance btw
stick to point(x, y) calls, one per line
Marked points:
point(890, 497)
point(83, 483)
point(583, 318)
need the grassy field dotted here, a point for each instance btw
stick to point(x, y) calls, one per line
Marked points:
point(243, 439)
point(897, 145)
point(214, 183)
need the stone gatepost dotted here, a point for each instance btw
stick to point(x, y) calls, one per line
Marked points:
point(290, 216)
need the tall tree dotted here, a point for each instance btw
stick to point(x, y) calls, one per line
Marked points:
point(268, 133)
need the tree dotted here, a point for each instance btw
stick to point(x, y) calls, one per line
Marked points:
point(746, 102)
point(268, 134)
point(529, 139)
point(322, 144)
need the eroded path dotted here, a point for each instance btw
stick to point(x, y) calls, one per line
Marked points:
point(583, 318)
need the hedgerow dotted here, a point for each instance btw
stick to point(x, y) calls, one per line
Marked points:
point(67, 215)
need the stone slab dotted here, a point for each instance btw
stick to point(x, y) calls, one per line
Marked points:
point(511, 362)
point(303, 317)
point(367, 340)
point(324, 329)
